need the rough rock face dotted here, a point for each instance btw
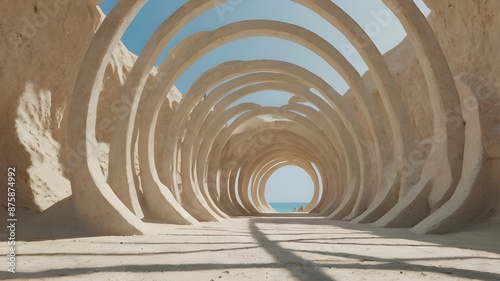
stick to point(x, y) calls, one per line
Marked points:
point(42, 47)
point(468, 34)
point(42, 44)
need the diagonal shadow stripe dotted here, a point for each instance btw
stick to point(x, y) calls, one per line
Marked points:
point(300, 268)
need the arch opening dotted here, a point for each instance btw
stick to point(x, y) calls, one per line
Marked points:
point(288, 188)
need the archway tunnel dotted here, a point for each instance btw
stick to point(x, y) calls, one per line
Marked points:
point(184, 111)
point(210, 158)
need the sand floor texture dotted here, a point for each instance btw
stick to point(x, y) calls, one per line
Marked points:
point(267, 248)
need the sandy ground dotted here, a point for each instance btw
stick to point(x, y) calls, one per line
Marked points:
point(269, 248)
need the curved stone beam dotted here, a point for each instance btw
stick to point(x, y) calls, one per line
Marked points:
point(397, 116)
point(121, 174)
point(448, 139)
point(395, 112)
point(333, 197)
point(195, 203)
point(471, 200)
point(95, 202)
point(227, 200)
point(441, 170)
point(333, 134)
point(352, 190)
point(187, 164)
point(216, 124)
point(472, 188)
point(350, 193)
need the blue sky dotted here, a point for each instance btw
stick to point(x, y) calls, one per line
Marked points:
point(289, 184)
point(377, 20)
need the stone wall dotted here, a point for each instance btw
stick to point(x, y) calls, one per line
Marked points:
point(43, 43)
